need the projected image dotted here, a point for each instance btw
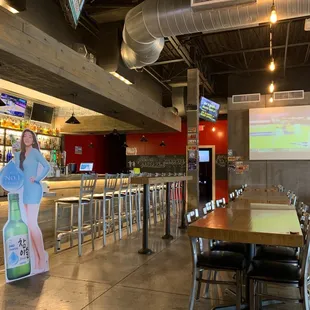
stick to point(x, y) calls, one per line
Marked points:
point(280, 133)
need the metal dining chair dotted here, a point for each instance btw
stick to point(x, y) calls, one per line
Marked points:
point(213, 261)
point(85, 198)
point(283, 274)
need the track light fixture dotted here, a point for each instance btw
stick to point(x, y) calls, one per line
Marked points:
point(162, 144)
point(125, 145)
point(143, 139)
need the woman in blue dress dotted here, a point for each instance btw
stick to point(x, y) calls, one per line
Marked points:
point(28, 159)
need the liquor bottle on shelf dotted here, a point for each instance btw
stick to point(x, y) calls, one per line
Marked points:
point(0, 156)
point(16, 237)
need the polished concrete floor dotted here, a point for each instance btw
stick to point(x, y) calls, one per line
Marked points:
point(116, 277)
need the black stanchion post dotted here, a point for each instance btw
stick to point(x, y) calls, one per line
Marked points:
point(146, 209)
point(168, 235)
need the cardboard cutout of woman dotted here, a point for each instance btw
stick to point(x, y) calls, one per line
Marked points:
point(28, 158)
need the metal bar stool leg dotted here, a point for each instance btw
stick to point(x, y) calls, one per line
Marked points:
point(96, 220)
point(130, 212)
point(91, 206)
point(56, 229)
point(80, 229)
point(113, 217)
point(71, 225)
point(104, 223)
point(126, 213)
point(120, 217)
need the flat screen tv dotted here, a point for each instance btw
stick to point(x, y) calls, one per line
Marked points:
point(72, 10)
point(14, 106)
point(42, 113)
point(208, 110)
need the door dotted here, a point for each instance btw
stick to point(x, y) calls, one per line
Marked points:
point(206, 174)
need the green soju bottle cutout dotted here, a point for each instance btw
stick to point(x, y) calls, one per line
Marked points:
point(15, 233)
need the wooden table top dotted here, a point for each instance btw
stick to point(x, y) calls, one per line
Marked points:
point(269, 227)
point(265, 197)
point(158, 180)
point(248, 205)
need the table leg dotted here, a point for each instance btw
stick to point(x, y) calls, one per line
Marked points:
point(146, 210)
point(183, 224)
point(168, 236)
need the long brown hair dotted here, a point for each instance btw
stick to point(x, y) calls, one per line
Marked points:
point(35, 145)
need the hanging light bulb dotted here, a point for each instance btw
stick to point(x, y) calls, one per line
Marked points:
point(272, 65)
point(271, 99)
point(162, 143)
point(271, 87)
point(273, 14)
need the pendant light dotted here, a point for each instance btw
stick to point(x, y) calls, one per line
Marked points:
point(272, 65)
point(143, 139)
point(73, 120)
point(115, 133)
point(273, 14)
point(271, 87)
point(162, 143)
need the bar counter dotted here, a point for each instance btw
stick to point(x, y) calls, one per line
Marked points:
point(64, 186)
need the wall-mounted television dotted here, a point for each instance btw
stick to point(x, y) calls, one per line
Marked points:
point(72, 10)
point(42, 113)
point(208, 110)
point(14, 106)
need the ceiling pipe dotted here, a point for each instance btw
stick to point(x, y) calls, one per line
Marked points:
point(147, 24)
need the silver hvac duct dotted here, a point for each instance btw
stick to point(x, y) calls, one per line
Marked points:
point(147, 24)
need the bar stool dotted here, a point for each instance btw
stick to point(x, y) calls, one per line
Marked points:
point(87, 187)
point(122, 195)
point(107, 220)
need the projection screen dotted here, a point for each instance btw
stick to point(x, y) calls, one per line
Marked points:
point(281, 133)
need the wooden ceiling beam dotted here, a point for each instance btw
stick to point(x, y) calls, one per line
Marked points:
point(31, 58)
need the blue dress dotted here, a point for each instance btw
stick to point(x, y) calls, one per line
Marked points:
point(33, 191)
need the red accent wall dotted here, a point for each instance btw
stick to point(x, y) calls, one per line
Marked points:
point(212, 134)
point(93, 150)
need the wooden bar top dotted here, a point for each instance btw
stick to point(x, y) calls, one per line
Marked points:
point(158, 180)
point(269, 227)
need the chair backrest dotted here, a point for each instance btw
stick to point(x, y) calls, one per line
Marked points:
point(124, 182)
point(110, 183)
point(305, 251)
point(192, 216)
point(221, 203)
point(88, 185)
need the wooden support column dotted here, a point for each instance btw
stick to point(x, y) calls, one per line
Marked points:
point(192, 138)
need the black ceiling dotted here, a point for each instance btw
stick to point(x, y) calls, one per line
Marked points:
point(222, 54)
